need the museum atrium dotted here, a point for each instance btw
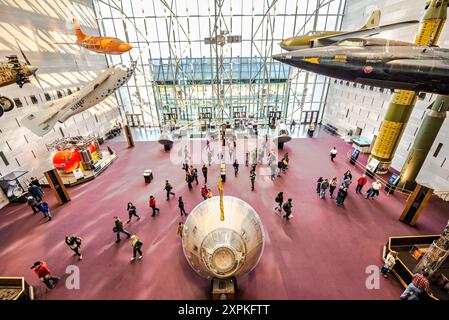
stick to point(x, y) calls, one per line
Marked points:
point(257, 149)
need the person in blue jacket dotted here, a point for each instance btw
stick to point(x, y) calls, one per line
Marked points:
point(36, 191)
point(43, 207)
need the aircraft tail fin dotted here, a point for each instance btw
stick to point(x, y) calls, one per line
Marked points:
point(79, 34)
point(41, 122)
point(372, 21)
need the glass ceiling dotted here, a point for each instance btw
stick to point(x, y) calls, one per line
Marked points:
point(180, 74)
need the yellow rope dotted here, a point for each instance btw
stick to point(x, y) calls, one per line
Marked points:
point(220, 190)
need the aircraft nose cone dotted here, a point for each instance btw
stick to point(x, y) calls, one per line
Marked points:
point(32, 69)
point(279, 57)
point(284, 44)
point(124, 47)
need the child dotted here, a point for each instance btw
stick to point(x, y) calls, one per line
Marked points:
point(43, 207)
point(390, 261)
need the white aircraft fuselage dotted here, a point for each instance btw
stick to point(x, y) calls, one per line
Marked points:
point(41, 122)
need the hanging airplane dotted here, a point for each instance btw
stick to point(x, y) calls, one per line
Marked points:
point(106, 45)
point(377, 62)
point(14, 71)
point(41, 122)
point(314, 39)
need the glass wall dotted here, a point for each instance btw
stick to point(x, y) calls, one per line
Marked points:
point(183, 71)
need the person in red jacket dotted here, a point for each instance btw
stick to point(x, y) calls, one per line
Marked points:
point(152, 203)
point(44, 274)
point(360, 183)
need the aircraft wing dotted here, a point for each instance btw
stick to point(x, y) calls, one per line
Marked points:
point(366, 32)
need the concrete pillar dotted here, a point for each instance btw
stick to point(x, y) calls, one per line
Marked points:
point(403, 101)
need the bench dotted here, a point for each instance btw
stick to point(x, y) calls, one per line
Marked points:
point(330, 128)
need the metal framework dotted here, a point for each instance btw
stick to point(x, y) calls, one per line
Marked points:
point(180, 76)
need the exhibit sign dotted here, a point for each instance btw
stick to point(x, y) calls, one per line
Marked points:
point(372, 165)
point(78, 174)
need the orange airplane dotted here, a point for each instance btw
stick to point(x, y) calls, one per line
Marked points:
point(106, 45)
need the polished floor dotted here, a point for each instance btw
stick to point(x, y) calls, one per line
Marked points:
point(322, 253)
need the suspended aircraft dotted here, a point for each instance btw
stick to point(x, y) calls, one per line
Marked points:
point(377, 62)
point(106, 45)
point(314, 39)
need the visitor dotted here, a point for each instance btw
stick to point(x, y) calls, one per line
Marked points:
point(32, 202)
point(209, 157)
point(74, 243)
point(118, 228)
point(181, 206)
point(136, 243)
point(204, 170)
point(347, 175)
point(287, 209)
point(346, 182)
point(189, 180)
point(280, 165)
point(236, 167)
point(333, 153)
point(36, 191)
point(43, 207)
point(374, 190)
point(152, 204)
point(204, 192)
point(323, 187)
point(341, 195)
point(332, 185)
point(390, 261)
point(195, 175)
point(44, 274)
point(311, 129)
point(208, 144)
point(318, 184)
point(360, 183)
point(279, 200)
point(419, 284)
point(252, 177)
point(180, 229)
point(209, 194)
point(247, 158)
point(36, 182)
point(273, 167)
point(132, 211)
point(168, 187)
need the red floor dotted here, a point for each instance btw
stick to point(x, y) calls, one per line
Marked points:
point(322, 253)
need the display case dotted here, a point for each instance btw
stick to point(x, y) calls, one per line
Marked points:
point(12, 187)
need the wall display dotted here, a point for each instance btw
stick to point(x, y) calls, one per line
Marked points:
point(372, 165)
point(12, 187)
point(406, 66)
point(106, 45)
point(41, 122)
point(313, 39)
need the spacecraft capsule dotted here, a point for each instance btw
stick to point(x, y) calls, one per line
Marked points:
point(223, 249)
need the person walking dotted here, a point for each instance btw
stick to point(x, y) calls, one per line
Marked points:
point(252, 177)
point(333, 153)
point(181, 206)
point(419, 284)
point(32, 202)
point(209, 194)
point(209, 157)
point(204, 192)
point(40, 268)
point(204, 170)
point(279, 200)
point(346, 182)
point(74, 243)
point(390, 261)
point(36, 191)
point(152, 204)
point(374, 190)
point(132, 211)
point(361, 181)
point(180, 229)
point(318, 184)
point(189, 180)
point(208, 144)
point(137, 244)
point(168, 187)
point(195, 175)
point(118, 228)
point(323, 187)
point(247, 159)
point(43, 207)
point(332, 185)
point(341, 195)
point(236, 167)
point(287, 209)
point(347, 175)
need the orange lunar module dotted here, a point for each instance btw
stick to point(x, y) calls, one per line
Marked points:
point(106, 45)
point(67, 157)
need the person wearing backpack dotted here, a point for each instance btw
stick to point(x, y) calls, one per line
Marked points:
point(181, 206)
point(32, 202)
point(279, 200)
point(119, 228)
point(287, 209)
point(168, 187)
point(43, 207)
point(74, 243)
point(136, 243)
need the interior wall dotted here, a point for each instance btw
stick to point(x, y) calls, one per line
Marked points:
point(36, 25)
point(349, 106)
